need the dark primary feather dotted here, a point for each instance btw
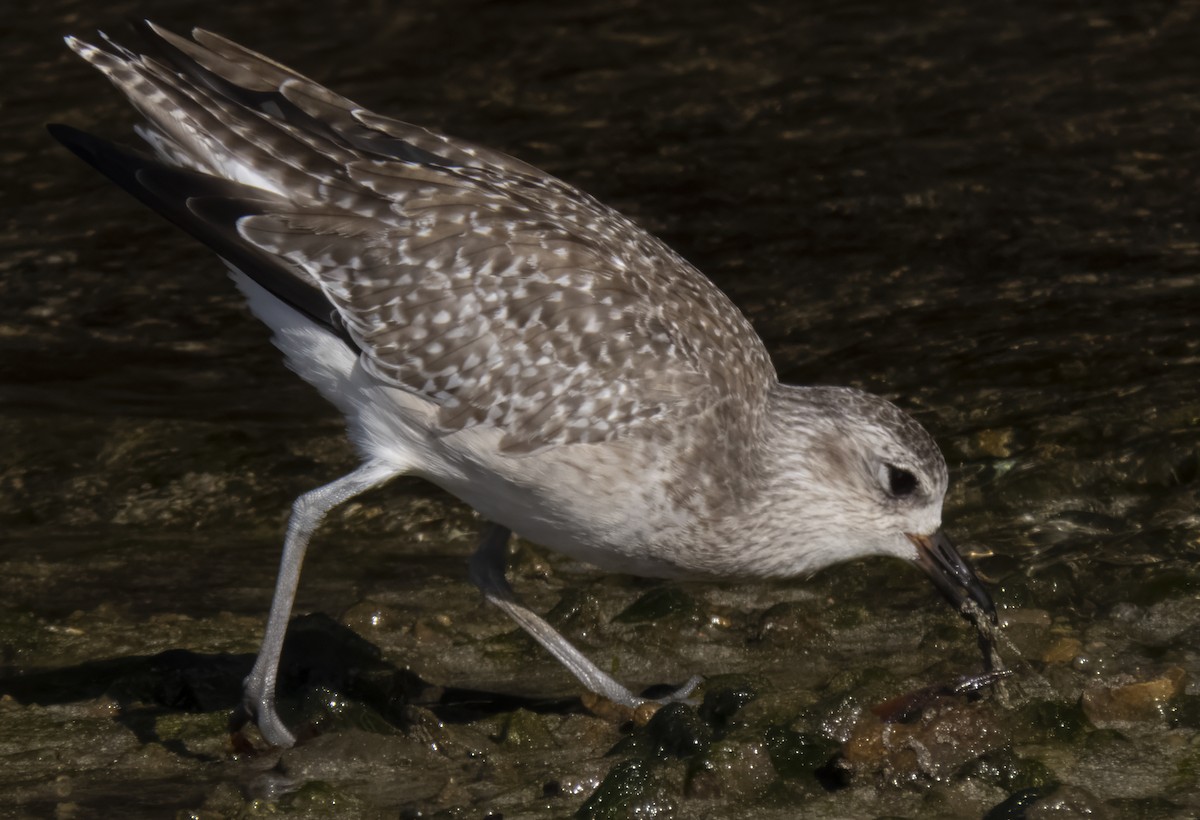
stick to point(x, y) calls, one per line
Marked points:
point(204, 207)
point(504, 295)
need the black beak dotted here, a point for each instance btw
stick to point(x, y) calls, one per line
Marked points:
point(951, 573)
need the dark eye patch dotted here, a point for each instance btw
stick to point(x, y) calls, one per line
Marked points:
point(901, 482)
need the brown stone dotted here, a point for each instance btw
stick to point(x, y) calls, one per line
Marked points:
point(1064, 650)
point(945, 735)
point(1134, 702)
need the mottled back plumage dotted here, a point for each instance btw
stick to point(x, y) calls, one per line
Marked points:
point(504, 295)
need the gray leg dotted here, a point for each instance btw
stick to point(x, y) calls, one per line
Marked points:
point(487, 572)
point(258, 690)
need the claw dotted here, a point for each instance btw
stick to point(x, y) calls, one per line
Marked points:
point(683, 694)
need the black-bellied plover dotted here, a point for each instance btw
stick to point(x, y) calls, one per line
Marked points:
point(504, 335)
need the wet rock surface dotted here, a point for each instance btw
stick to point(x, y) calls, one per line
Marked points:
point(984, 212)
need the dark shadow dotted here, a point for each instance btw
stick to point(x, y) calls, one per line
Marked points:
point(330, 677)
point(144, 686)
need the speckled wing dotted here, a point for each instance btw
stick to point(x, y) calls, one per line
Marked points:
point(502, 294)
point(552, 330)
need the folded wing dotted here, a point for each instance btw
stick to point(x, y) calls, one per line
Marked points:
point(500, 293)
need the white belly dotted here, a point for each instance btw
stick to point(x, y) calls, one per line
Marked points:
point(594, 514)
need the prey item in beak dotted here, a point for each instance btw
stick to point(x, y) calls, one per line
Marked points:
point(950, 572)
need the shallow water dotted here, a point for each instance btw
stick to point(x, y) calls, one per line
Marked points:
point(984, 212)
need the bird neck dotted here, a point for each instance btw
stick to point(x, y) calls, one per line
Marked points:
point(781, 525)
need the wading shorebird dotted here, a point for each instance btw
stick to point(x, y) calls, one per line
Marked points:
point(502, 334)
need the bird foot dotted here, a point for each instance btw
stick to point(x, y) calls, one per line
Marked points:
point(681, 695)
point(261, 712)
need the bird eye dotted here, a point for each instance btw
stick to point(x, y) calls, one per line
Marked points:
point(901, 483)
